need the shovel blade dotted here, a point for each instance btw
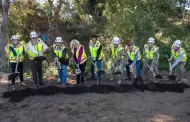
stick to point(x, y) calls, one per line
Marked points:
point(116, 73)
point(172, 77)
point(13, 75)
point(158, 76)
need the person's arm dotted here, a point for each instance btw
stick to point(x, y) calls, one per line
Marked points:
point(178, 60)
point(31, 48)
point(64, 53)
point(136, 57)
point(98, 52)
point(80, 54)
point(127, 57)
point(156, 55)
point(45, 47)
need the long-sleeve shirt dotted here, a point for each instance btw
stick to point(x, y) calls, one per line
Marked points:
point(78, 59)
point(177, 60)
point(32, 49)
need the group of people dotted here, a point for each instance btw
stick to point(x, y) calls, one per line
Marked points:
point(121, 57)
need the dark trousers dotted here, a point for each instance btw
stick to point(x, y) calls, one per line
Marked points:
point(80, 78)
point(19, 69)
point(137, 68)
point(36, 68)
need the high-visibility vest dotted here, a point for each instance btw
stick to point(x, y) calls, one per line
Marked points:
point(59, 53)
point(150, 53)
point(177, 53)
point(93, 50)
point(83, 57)
point(131, 54)
point(115, 52)
point(19, 53)
point(38, 47)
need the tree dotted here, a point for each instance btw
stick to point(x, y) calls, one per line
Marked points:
point(5, 7)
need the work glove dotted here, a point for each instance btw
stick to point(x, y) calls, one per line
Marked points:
point(17, 58)
point(170, 60)
point(40, 54)
point(56, 59)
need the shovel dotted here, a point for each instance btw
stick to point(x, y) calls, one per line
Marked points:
point(78, 71)
point(115, 72)
point(136, 79)
point(102, 71)
point(15, 74)
point(155, 76)
point(171, 77)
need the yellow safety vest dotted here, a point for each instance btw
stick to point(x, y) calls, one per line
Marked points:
point(177, 53)
point(150, 53)
point(93, 50)
point(38, 47)
point(19, 53)
point(115, 52)
point(83, 58)
point(132, 53)
point(59, 53)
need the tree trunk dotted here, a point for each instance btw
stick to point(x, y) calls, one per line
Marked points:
point(5, 6)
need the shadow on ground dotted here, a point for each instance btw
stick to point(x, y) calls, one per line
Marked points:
point(19, 95)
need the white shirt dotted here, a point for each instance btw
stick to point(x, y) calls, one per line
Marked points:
point(32, 49)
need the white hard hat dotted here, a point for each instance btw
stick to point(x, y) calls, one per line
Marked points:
point(14, 37)
point(33, 34)
point(151, 40)
point(177, 43)
point(58, 39)
point(116, 40)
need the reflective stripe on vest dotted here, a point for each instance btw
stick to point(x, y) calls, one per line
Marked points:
point(83, 57)
point(132, 54)
point(38, 48)
point(93, 50)
point(59, 53)
point(19, 52)
point(115, 52)
point(177, 53)
point(150, 53)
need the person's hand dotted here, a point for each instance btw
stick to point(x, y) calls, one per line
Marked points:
point(127, 62)
point(41, 54)
point(17, 58)
point(170, 60)
point(56, 59)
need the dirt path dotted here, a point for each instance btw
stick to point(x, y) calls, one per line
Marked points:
point(93, 107)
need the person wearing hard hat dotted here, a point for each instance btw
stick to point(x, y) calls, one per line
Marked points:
point(60, 51)
point(16, 56)
point(179, 58)
point(96, 54)
point(133, 57)
point(36, 47)
point(151, 56)
point(117, 52)
point(80, 58)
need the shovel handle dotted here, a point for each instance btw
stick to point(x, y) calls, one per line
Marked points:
point(94, 64)
point(170, 65)
point(16, 68)
point(149, 68)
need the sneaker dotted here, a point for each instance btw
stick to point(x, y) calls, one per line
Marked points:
point(13, 87)
point(23, 84)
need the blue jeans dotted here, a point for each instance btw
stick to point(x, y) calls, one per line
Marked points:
point(137, 68)
point(63, 73)
point(99, 65)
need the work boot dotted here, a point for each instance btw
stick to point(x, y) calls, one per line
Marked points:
point(13, 87)
point(63, 85)
point(41, 84)
point(22, 84)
